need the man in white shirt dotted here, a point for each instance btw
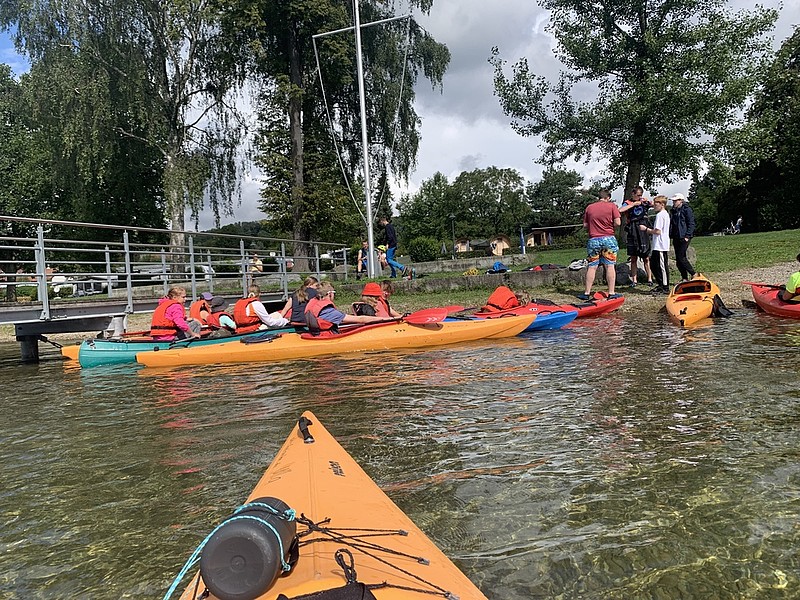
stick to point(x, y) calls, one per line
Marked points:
point(659, 262)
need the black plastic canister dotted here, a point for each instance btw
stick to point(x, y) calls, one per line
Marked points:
point(244, 557)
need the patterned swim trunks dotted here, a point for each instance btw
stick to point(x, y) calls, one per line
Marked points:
point(602, 250)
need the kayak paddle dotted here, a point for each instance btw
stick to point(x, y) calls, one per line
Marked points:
point(766, 285)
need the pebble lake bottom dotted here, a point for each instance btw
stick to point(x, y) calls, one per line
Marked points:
point(621, 457)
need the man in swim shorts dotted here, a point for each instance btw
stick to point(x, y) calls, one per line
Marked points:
point(599, 220)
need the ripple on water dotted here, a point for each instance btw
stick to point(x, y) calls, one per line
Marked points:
point(622, 457)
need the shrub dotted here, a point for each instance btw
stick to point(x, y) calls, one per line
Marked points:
point(424, 249)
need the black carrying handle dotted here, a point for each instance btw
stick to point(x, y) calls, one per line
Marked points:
point(303, 424)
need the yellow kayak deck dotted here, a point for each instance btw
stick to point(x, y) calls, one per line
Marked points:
point(322, 482)
point(692, 301)
point(294, 346)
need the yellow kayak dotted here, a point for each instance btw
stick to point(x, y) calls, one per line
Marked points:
point(370, 337)
point(692, 301)
point(314, 521)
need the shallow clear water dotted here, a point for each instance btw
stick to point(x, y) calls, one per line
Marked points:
point(618, 458)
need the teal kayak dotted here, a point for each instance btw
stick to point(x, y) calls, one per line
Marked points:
point(96, 352)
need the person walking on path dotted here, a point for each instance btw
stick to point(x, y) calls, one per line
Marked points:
point(659, 259)
point(391, 248)
point(600, 220)
point(681, 230)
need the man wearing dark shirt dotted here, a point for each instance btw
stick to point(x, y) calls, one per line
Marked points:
point(391, 243)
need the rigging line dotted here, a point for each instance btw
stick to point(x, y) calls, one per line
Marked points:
point(333, 134)
point(397, 113)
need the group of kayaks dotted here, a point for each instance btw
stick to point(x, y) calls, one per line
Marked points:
point(430, 327)
point(691, 301)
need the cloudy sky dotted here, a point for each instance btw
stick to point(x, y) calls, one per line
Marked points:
point(463, 127)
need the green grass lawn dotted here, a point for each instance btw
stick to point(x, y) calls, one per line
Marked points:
point(715, 254)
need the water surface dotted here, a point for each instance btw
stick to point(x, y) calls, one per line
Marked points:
point(620, 457)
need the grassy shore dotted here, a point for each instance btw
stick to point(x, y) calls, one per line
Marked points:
point(727, 260)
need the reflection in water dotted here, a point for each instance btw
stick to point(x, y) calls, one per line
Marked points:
point(622, 457)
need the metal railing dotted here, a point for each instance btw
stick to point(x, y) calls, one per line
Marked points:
point(42, 259)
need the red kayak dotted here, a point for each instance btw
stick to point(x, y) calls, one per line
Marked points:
point(766, 296)
point(600, 304)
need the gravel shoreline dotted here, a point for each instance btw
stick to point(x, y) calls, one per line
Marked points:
point(636, 299)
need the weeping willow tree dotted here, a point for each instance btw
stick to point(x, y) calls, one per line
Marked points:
point(139, 81)
point(304, 182)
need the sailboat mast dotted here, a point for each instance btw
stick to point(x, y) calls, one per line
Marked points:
point(362, 101)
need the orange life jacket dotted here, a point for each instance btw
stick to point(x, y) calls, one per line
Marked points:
point(161, 325)
point(245, 323)
point(313, 308)
point(197, 307)
point(500, 299)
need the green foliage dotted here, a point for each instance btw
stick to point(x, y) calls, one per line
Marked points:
point(559, 198)
point(305, 186)
point(424, 249)
point(667, 71)
point(134, 100)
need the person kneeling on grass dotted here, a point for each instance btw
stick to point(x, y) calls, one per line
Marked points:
point(322, 314)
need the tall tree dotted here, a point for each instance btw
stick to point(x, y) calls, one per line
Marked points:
point(669, 74)
point(277, 38)
point(427, 212)
point(491, 201)
point(559, 198)
point(146, 77)
point(774, 174)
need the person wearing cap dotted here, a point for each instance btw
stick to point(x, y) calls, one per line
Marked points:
point(600, 219)
point(322, 314)
point(201, 308)
point(382, 256)
point(374, 303)
point(219, 321)
point(256, 266)
point(681, 230)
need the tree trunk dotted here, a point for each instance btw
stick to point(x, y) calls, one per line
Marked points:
point(301, 230)
point(632, 178)
point(175, 222)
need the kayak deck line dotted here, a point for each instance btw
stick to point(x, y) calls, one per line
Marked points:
point(352, 537)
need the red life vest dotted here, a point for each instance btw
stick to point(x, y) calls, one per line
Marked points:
point(313, 308)
point(500, 299)
point(197, 307)
point(161, 325)
point(245, 323)
point(213, 321)
point(382, 308)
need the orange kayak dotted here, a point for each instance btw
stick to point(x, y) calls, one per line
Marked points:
point(692, 301)
point(321, 518)
point(370, 337)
